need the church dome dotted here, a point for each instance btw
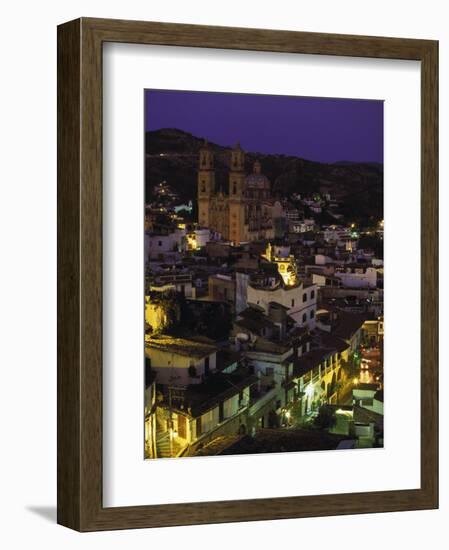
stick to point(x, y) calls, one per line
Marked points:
point(257, 180)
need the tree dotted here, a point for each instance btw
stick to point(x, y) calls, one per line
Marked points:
point(351, 367)
point(373, 242)
point(337, 389)
point(170, 303)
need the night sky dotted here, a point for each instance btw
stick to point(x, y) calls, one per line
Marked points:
point(320, 129)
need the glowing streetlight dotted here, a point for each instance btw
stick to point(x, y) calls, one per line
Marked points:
point(309, 390)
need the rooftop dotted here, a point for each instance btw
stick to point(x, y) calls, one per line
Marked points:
point(216, 388)
point(275, 441)
point(366, 416)
point(311, 359)
point(379, 395)
point(348, 324)
point(366, 387)
point(331, 341)
point(180, 346)
point(254, 325)
point(263, 345)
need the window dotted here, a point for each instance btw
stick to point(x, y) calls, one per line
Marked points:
point(312, 314)
point(293, 303)
point(304, 317)
point(312, 295)
point(206, 366)
point(304, 297)
point(159, 243)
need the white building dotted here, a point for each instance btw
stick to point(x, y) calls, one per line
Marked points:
point(302, 226)
point(178, 361)
point(368, 396)
point(178, 281)
point(336, 233)
point(163, 246)
point(348, 277)
point(198, 238)
point(300, 301)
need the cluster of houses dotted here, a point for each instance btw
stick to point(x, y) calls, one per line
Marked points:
point(255, 321)
point(241, 339)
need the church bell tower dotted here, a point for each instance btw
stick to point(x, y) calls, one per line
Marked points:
point(236, 195)
point(237, 173)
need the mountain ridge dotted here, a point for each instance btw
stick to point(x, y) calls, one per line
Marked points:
point(171, 154)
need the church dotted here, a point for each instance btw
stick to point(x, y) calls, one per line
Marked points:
point(246, 213)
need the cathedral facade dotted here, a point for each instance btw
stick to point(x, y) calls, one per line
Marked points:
point(246, 213)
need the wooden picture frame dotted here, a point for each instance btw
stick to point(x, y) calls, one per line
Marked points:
point(80, 504)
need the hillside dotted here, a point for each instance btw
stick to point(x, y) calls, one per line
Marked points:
point(172, 155)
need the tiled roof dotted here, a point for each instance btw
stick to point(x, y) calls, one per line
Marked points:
point(180, 346)
point(348, 324)
point(311, 359)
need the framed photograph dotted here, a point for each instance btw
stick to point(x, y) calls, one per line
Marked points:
point(247, 274)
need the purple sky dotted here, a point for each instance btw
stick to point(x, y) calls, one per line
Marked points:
point(320, 129)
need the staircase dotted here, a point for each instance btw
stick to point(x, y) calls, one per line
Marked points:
point(163, 443)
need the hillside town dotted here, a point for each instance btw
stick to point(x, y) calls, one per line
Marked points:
point(263, 319)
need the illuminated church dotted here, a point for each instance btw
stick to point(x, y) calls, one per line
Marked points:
point(247, 211)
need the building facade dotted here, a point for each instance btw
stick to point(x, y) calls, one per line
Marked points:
point(247, 211)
